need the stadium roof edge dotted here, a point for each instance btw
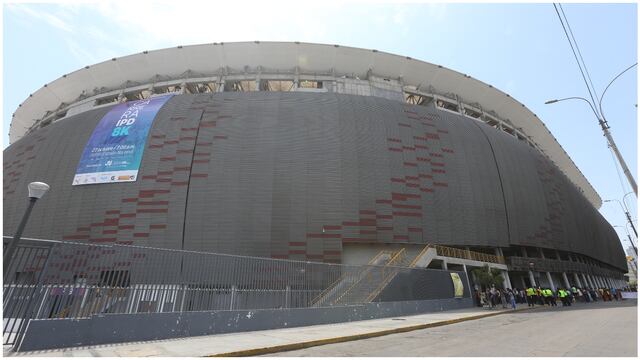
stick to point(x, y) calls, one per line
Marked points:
point(309, 58)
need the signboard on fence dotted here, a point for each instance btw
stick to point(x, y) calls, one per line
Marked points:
point(458, 286)
point(114, 150)
point(629, 295)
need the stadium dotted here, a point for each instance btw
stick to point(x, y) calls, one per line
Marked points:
point(309, 152)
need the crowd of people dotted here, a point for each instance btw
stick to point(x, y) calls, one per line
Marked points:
point(493, 297)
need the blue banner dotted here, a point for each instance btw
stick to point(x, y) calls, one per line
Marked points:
point(114, 151)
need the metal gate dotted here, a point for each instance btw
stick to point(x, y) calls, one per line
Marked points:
point(22, 287)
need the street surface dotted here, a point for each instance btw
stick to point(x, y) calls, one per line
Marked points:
point(595, 329)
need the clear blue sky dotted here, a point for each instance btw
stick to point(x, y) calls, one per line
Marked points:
point(518, 48)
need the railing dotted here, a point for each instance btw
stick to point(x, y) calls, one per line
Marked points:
point(366, 278)
point(388, 273)
point(420, 255)
point(346, 281)
point(468, 254)
point(65, 280)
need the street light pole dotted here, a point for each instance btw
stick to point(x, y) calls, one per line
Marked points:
point(610, 138)
point(626, 212)
point(629, 236)
point(633, 245)
point(36, 191)
point(624, 199)
point(610, 142)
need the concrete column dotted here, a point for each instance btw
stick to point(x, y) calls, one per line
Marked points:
point(475, 281)
point(589, 281)
point(553, 286)
point(464, 267)
point(444, 265)
point(541, 252)
point(532, 278)
point(507, 282)
point(524, 252)
point(584, 280)
point(577, 280)
point(566, 280)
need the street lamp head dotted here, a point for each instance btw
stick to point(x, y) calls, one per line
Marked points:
point(551, 101)
point(37, 189)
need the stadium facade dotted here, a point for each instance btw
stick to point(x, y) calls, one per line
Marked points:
point(310, 152)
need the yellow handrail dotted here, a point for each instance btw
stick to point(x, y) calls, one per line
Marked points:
point(468, 254)
point(420, 255)
point(394, 260)
point(325, 291)
point(382, 252)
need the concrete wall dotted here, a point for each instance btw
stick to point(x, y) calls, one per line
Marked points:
point(297, 175)
point(106, 329)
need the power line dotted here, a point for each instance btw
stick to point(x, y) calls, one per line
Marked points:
point(586, 70)
point(574, 53)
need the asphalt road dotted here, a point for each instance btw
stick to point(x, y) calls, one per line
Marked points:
point(596, 329)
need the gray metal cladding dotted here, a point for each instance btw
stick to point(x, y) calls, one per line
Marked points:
point(297, 175)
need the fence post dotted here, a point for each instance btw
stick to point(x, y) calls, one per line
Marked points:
point(184, 294)
point(29, 310)
point(287, 298)
point(234, 290)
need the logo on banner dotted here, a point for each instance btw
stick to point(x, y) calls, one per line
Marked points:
point(114, 150)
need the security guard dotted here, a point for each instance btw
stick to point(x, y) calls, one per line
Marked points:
point(546, 293)
point(539, 296)
point(563, 296)
point(531, 296)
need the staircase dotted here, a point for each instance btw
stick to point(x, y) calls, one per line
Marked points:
point(424, 258)
point(360, 291)
point(346, 282)
point(368, 283)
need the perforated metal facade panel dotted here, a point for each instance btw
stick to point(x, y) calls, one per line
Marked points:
point(296, 175)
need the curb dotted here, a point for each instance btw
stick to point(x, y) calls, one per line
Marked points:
point(335, 340)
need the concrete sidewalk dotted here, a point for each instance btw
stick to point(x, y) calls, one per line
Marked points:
point(270, 341)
